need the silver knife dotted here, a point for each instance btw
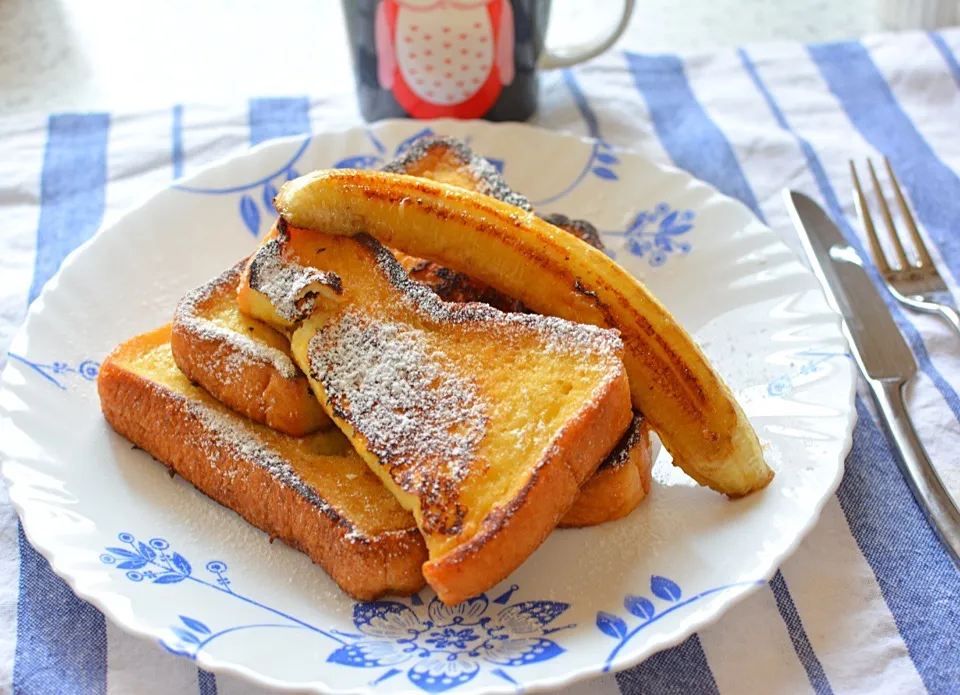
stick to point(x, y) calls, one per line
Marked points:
point(883, 355)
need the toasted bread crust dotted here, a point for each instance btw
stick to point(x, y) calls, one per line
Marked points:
point(511, 534)
point(205, 357)
point(451, 286)
point(236, 370)
point(513, 528)
point(620, 484)
point(689, 406)
point(158, 421)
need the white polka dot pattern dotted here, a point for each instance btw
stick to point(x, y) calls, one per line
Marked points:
point(445, 55)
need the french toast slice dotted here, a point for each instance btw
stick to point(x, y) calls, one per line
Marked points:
point(619, 485)
point(314, 493)
point(483, 424)
point(244, 363)
point(672, 383)
point(256, 387)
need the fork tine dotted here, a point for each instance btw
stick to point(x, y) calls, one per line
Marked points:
point(878, 256)
point(921, 248)
point(888, 220)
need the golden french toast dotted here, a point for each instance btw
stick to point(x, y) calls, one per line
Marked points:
point(483, 424)
point(246, 364)
point(314, 493)
point(242, 362)
point(672, 383)
point(620, 484)
point(256, 387)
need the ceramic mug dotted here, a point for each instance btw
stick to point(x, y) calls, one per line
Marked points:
point(456, 58)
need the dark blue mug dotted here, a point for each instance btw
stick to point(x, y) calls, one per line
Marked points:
point(456, 58)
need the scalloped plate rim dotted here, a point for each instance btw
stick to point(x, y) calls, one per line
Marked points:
point(693, 622)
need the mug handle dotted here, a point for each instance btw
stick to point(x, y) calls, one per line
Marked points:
point(571, 55)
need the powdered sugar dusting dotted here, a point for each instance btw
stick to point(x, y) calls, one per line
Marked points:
point(287, 283)
point(232, 435)
point(243, 349)
point(418, 417)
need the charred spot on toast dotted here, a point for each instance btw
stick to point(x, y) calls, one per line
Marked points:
point(191, 316)
point(452, 286)
point(448, 155)
point(281, 228)
point(285, 282)
point(636, 432)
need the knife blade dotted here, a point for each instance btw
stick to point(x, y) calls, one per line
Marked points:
point(878, 345)
point(881, 352)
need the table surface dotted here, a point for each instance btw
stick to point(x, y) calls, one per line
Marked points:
point(138, 54)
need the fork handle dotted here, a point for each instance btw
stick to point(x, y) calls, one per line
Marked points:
point(931, 494)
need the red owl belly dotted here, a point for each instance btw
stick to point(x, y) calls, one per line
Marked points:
point(445, 56)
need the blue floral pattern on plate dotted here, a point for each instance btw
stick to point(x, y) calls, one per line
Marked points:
point(784, 385)
point(441, 647)
point(447, 646)
point(268, 185)
point(55, 371)
point(658, 233)
point(641, 607)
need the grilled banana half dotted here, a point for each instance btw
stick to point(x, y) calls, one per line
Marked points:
point(671, 382)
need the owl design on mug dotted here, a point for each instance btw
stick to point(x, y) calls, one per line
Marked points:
point(445, 58)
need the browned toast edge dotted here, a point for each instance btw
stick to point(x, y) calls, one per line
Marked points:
point(158, 421)
point(281, 401)
point(616, 493)
point(507, 537)
point(620, 484)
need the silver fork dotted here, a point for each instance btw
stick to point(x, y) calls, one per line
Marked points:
point(916, 285)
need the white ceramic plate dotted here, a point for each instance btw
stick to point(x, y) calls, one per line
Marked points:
point(164, 562)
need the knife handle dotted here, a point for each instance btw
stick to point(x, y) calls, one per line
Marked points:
point(931, 494)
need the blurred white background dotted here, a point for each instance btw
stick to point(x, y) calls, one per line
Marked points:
point(135, 54)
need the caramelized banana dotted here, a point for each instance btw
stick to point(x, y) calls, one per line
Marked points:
point(551, 272)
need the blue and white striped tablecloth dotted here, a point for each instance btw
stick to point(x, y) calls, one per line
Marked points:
point(868, 604)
